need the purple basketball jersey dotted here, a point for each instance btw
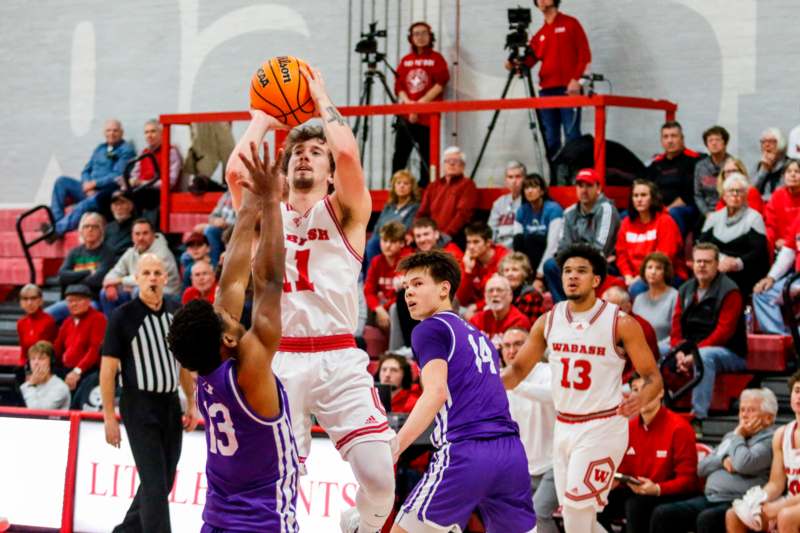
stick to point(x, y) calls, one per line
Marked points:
point(477, 405)
point(252, 465)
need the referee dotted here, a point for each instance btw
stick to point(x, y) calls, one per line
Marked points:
point(136, 341)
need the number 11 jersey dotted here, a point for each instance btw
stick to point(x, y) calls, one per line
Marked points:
point(320, 287)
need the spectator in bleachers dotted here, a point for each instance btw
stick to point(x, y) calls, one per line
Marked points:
point(395, 371)
point(647, 228)
point(43, 389)
point(673, 172)
point(742, 460)
point(504, 209)
point(538, 223)
point(402, 206)
point(450, 200)
point(657, 304)
point(529, 299)
point(783, 206)
point(78, 343)
point(87, 263)
point(383, 281)
point(768, 292)
point(98, 180)
point(144, 171)
point(709, 312)
point(531, 407)
point(197, 249)
point(421, 77)
point(222, 217)
point(118, 231)
point(427, 237)
point(768, 173)
point(498, 314)
point(593, 220)
point(204, 284)
point(707, 170)
point(740, 235)
point(775, 509)
point(622, 299)
point(478, 264)
point(120, 282)
point(36, 325)
point(662, 456)
point(735, 166)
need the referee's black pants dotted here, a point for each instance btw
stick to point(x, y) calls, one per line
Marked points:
point(153, 423)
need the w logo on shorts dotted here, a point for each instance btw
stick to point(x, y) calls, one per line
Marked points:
point(601, 475)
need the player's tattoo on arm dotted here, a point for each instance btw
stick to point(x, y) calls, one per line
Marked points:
point(335, 116)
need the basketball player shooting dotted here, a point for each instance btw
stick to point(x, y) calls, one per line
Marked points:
point(479, 459)
point(588, 341)
point(252, 464)
point(317, 360)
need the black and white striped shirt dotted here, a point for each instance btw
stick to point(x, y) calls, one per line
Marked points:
point(137, 336)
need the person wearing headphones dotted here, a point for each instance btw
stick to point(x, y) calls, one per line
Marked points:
point(421, 77)
point(563, 50)
point(43, 389)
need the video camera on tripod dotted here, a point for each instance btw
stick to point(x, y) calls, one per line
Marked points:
point(368, 46)
point(519, 18)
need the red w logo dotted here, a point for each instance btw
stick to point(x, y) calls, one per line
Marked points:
point(600, 475)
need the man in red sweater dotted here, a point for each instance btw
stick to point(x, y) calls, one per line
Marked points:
point(708, 312)
point(479, 263)
point(498, 315)
point(421, 77)
point(79, 341)
point(451, 199)
point(383, 281)
point(661, 456)
point(36, 325)
point(563, 49)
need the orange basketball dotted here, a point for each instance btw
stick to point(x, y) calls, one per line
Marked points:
point(279, 89)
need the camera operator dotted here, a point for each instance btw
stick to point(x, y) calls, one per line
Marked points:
point(421, 77)
point(563, 49)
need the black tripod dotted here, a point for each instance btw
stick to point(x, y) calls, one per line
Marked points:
point(520, 70)
point(370, 74)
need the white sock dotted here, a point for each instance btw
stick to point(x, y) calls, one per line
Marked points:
point(581, 520)
point(373, 468)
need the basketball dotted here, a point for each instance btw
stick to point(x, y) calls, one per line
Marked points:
point(279, 89)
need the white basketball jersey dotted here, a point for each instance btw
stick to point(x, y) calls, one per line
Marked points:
point(320, 287)
point(585, 360)
point(791, 459)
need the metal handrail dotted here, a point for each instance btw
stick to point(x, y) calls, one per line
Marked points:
point(27, 245)
point(687, 347)
point(126, 173)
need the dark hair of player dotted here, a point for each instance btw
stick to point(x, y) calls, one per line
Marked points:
point(195, 337)
point(302, 134)
point(441, 266)
point(588, 252)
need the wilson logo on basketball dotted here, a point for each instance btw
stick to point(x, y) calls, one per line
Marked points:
point(262, 77)
point(283, 65)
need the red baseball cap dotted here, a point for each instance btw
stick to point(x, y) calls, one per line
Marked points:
point(588, 175)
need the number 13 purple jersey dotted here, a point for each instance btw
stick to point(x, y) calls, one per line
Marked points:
point(477, 405)
point(252, 461)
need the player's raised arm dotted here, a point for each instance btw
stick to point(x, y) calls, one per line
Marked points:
point(351, 193)
point(632, 337)
point(527, 357)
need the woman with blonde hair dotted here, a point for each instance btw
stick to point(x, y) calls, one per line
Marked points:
point(733, 165)
point(516, 268)
point(402, 206)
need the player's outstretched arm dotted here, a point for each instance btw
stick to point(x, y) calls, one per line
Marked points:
point(644, 362)
point(527, 357)
point(351, 193)
point(259, 344)
point(434, 394)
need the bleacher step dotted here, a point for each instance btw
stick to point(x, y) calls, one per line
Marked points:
point(14, 270)
point(11, 247)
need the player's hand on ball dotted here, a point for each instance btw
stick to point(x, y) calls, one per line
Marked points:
point(631, 404)
point(269, 121)
point(316, 85)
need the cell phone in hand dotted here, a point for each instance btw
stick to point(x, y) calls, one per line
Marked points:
point(627, 479)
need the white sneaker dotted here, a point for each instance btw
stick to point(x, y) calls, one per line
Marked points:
point(348, 520)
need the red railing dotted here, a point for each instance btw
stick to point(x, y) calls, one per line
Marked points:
point(598, 101)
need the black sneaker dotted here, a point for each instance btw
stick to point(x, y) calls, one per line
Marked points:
point(49, 232)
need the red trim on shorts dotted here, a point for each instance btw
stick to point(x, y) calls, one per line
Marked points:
point(569, 418)
point(368, 430)
point(377, 401)
point(347, 244)
point(316, 344)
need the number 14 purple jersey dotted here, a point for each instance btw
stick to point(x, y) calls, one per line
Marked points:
point(252, 465)
point(477, 405)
